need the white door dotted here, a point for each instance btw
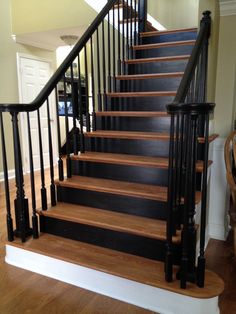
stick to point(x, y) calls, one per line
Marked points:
point(33, 75)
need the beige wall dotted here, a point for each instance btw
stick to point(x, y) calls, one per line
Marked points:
point(225, 85)
point(174, 13)
point(37, 16)
point(8, 77)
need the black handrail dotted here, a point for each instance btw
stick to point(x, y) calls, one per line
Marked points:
point(48, 88)
point(203, 34)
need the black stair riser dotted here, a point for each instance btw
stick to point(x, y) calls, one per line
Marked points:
point(157, 67)
point(169, 37)
point(128, 173)
point(120, 241)
point(163, 52)
point(125, 146)
point(157, 84)
point(157, 124)
point(139, 103)
point(113, 202)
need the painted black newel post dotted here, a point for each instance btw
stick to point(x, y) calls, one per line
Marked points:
point(10, 233)
point(21, 203)
point(142, 16)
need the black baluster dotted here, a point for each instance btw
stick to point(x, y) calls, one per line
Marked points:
point(131, 26)
point(68, 159)
point(60, 160)
point(123, 37)
point(201, 257)
point(21, 203)
point(88, 124)
point(127, 31)
point(184, 236)
point(32, 181)
point(81, 108)
point(109, 52)
point(43, 189)
point(93, 85)
point(118, 40)
point(135, 22)
point(104, 68)
point(10, 234)
point(114, 50)
point(52, 185)
point(74, 100)
point(98, 74)
point(170, 196)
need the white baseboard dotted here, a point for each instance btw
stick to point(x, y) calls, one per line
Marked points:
point(148, 297)
point(11, 175)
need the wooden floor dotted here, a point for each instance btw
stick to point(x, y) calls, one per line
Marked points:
point(25, 292)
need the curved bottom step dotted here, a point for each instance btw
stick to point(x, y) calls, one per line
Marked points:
point(135, 280)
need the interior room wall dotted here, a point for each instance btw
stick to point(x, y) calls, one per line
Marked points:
point(174, 14)
point(37, 16)
point(8, 67)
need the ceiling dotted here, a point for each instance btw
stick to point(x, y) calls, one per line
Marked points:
point(50, 39)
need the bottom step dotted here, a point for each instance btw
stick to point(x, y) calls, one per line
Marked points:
point(128, 278)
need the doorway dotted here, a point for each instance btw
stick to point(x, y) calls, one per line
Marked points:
point(33, 74)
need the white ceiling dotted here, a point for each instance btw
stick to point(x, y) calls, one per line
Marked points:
point(49, 39)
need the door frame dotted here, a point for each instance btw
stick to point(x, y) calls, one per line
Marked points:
point(22, 117)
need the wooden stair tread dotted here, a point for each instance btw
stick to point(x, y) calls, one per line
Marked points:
point(154, 33)
point(141, 114)
point(147, 191)
point(140, 226)
point(142, 94)
point(120, 264)
point(128, 135)
point(157, 59)
point(131, 160)
point(149, 76)
point(154, 192)
point(135, 135)
point(165, 44)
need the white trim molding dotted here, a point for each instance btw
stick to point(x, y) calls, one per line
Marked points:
point(227, 8)
point(142, 295)
point(219, 195)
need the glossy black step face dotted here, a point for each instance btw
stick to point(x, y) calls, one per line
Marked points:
point(157, 124)
point(153, 84)
point(112, 202)
point(139, 103)
point(145, 175)
point(125, 146)
point(178, 36)
point(120, 241)
point(163, 52)
point(157, 67)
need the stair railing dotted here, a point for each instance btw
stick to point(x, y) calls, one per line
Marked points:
point(188, 144)
point(108, 39)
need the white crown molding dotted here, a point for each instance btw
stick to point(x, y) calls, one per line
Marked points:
point(228, 8)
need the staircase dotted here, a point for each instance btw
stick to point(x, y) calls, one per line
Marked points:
point(126, 205)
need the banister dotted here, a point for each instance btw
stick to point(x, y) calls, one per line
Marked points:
point(48, 88)
point(204, 33)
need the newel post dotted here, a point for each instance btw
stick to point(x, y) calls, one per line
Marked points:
point(142, 16)
point(21, 203)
